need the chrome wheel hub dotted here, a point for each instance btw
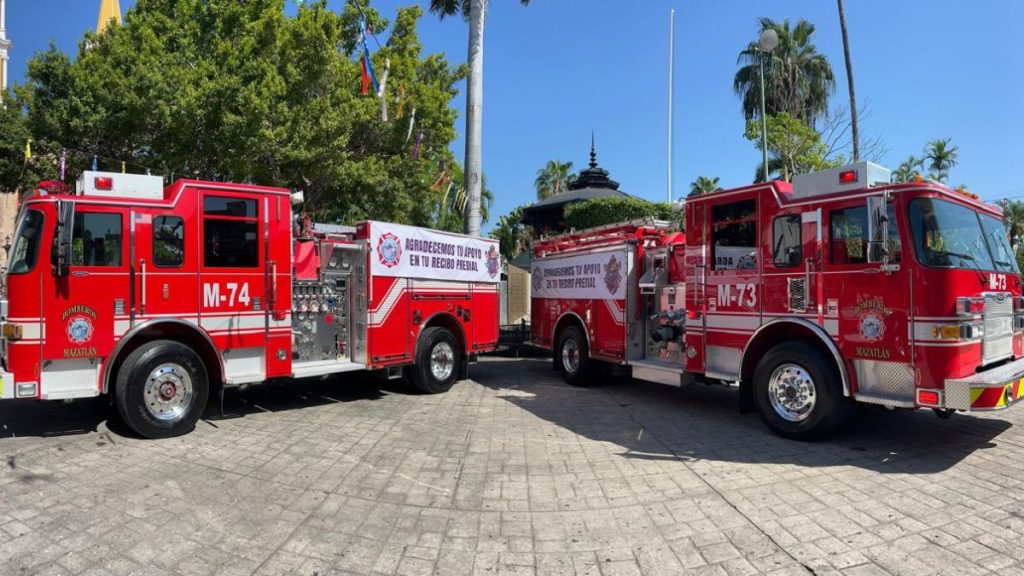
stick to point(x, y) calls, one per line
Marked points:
point(168, 392)
point(571, 356)
point(791, 392)
point(442, 361)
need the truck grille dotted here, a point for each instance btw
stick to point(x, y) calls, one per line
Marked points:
point(997, 342)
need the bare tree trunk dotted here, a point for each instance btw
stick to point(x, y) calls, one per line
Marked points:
point(849, 82)
point(474, 115)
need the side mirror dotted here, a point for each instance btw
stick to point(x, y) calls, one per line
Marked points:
point(65, 227)
point(878, 230)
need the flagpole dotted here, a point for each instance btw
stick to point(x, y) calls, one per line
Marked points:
point(671, 46)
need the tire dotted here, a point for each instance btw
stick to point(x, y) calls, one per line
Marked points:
point(572, 357)
point(798, 392)
point(438, 358)
point(161, 389)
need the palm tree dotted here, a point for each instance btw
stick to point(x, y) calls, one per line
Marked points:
point(907, 169)
point(474, 11)
point(798, 79)
point(941, 158)
point(704, 185)
point(1013, 219)
point(512, 235)
point(849, 82)
point(553, 178)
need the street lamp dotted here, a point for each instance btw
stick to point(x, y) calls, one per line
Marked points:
point(768, 41)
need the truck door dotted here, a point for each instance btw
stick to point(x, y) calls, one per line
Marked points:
point(867, 306)
point(88, 301)
point(733, 283)
point(232, 278)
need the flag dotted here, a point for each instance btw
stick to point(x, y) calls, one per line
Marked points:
point(381, 88)
point(416, 148)
point(412, 121)
point(28, 150)
point(369, 76)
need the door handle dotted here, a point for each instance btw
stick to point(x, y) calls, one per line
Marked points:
point(142, 273)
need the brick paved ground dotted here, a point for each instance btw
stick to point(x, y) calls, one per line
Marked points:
point(512, 473)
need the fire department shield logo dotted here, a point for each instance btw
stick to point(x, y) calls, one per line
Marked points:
point(872, 327)
point(492, 262)
point(79, 329)
point(389, 250)
point(613, 275)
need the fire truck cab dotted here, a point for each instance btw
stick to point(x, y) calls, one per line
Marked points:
point(839, 287)
point(158, 296)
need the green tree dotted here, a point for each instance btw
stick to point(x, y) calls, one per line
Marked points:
point(704, 185)
point(513, 236)
point(940, 157)
point(798, 79)
point(794, 148)
point(907, 169)
point(475, 13)
point(602, 211)
point(227, 90)
point(553, 178)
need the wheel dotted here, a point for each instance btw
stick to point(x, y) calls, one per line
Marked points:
point(572, 356)
point(161, 389)
point(437, 361)
point(798, 392)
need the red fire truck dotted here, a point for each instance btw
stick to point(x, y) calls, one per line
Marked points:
point(839, 287)
point(157, 296)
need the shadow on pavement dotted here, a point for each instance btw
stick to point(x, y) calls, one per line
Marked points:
point(703, 423)
point(46, 419)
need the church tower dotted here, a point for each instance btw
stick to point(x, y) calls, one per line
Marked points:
point(109, 10)
point(5, 45)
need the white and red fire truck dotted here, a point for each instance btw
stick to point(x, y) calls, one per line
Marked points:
point(158, 295)
point(839, 287)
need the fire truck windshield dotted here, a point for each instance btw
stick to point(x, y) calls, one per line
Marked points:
point(950, 235)
point(25, 250)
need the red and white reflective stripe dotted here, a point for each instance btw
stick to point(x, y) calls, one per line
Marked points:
point(618, 314)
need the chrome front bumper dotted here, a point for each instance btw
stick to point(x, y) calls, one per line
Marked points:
point(992, 389)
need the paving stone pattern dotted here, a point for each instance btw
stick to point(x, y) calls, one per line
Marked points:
point(511, 473)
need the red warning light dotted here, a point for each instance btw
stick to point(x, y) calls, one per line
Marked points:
point(104, 183)
point(848, 177)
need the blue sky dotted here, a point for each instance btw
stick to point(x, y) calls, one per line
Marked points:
point(558, 69)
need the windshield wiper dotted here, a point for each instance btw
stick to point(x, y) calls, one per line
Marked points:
point(966, 257)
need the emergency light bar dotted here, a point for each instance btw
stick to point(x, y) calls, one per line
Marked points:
point(859, 175)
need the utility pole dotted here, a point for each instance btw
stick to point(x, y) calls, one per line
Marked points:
point(849, 82)
point(671, 46)
point(5, 45)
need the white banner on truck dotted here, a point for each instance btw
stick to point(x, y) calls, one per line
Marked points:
point(412, 252)
point(599, 275)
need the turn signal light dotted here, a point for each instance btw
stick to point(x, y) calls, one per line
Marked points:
point(12, 331)
point(962, 331)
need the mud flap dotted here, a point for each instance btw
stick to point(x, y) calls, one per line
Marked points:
point(746, 398)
